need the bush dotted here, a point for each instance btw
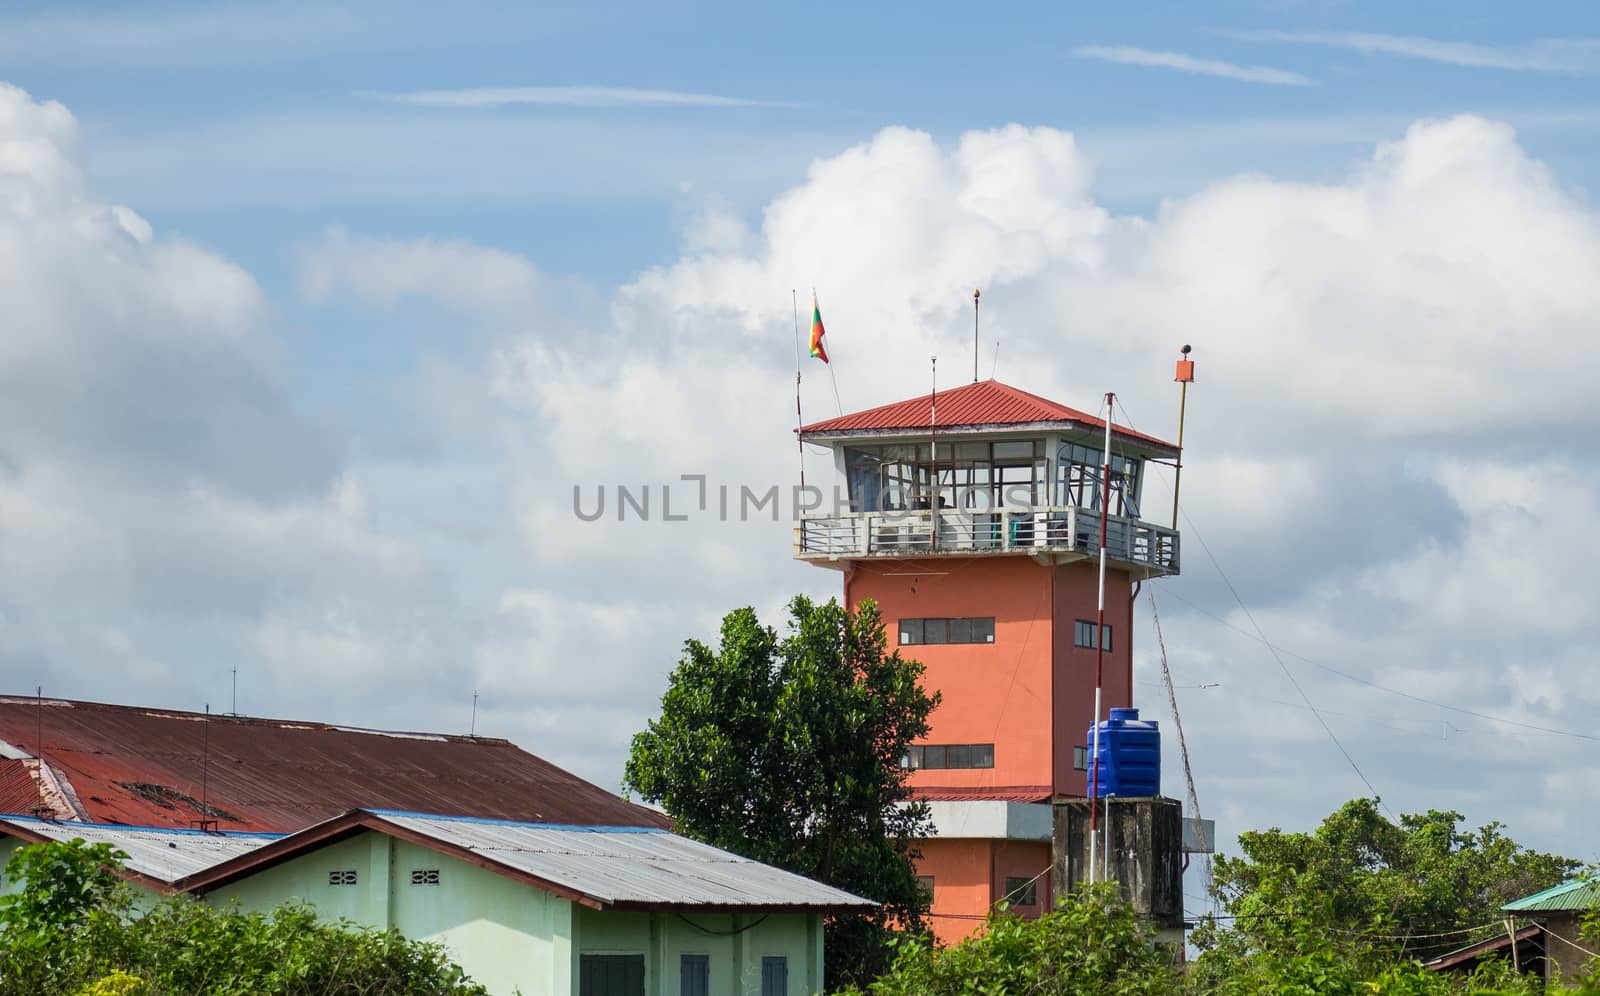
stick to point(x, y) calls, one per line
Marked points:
point(73, 930)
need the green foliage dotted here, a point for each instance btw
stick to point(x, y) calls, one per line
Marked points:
point(1360, 873)
point(1092, 942)
point(118, 983)
point(73, 929)
point(1357, 904)
point(63, 884)
point(787, 750)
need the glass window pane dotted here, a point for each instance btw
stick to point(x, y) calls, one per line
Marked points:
point(910, 632)
point(933, 757)
point(961, 631)
point(935, 630)
point(1021, 449)
point(1105, 637)
point(983, 630)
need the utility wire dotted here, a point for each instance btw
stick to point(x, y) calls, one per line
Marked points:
point(1261, 638)
point(1275, 655)
point(1532, 727)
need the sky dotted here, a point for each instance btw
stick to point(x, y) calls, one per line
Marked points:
point(315, 318)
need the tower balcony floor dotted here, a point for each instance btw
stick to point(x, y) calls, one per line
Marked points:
point(1049, 534)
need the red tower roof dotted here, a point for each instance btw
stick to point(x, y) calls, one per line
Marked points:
point(985, 403)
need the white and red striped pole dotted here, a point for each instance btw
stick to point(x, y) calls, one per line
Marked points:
point(1100, 643)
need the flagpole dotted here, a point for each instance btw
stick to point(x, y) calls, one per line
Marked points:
point(832, 377)
point(800, 423)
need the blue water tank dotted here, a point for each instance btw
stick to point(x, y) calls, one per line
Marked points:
point(1130, 756)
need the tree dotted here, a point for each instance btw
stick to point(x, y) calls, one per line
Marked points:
point(1360, 872)
point(1092, 942)
point(73, 928)
point(1355, 905)
point(788, 750)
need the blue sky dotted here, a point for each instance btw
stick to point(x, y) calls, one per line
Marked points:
point(413, 271)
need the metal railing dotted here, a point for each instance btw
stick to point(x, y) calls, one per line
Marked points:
point(1052, 529)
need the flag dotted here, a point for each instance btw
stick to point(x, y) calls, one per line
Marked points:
point(817, 331)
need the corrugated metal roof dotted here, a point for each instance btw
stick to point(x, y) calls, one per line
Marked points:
point(987, 402)
point(1575, 896)
point(162, 853)
point(142, 767)
point(639, 866)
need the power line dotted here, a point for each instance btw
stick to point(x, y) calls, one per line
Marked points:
point(1533, 727)
point(1275, 656)
point(1259, 636)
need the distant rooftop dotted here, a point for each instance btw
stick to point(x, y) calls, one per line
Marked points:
point(984, 403)
point(1578, 895)
point(140, 766)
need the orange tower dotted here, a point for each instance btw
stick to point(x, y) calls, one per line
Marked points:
point(973, 520)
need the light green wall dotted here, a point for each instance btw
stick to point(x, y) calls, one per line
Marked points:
point(735, 943)
point(305, 880)
point(515, 938)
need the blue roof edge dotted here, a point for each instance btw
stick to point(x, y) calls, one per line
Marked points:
point(586, 828)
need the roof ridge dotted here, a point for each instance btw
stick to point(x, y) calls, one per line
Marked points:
point(222, 717)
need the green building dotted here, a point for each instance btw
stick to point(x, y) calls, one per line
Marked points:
point(536, 908)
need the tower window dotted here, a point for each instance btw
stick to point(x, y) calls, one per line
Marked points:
point(1080, 758)
point(1083, 635)
point(949, 756)
point(974, 629)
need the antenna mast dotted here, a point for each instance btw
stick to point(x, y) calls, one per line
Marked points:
point(1185, 377)
point(933, 456)
point(975, 336)
point(205, 823)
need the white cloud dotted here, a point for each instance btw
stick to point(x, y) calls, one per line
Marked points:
point(1551, 55)
point(1130, 56)
point(569, 96)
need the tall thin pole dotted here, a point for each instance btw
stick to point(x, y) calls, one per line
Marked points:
point(975, 336)
point(38, 736)
point(205, 765)
point(933, 456)
point(1100, 637)
point(1184, 377)
point(472, 730)
point(799, 423)
point(234, 697)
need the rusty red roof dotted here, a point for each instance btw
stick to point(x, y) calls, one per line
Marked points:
point(984, 403)
point(138, 766)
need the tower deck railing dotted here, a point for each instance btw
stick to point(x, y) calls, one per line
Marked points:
point(1050, 530)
